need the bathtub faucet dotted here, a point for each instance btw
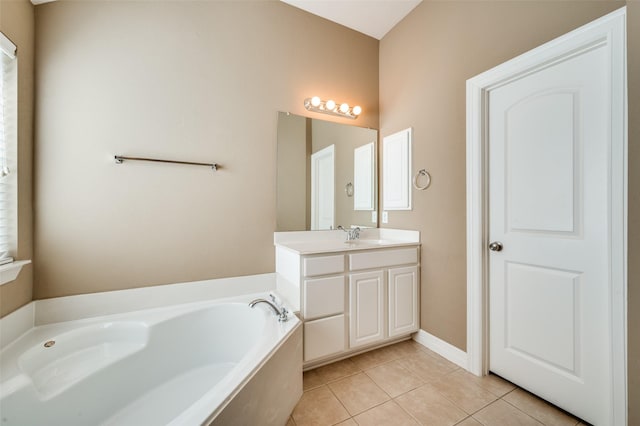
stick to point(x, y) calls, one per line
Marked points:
point(282, 313)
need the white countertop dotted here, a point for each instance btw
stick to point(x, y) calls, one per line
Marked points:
point(314, 242)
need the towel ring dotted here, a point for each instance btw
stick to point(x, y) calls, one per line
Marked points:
point(421, 172)
point(348, 188)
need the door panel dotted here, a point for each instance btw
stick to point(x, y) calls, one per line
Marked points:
point(366, 323)
point(541, 194)
point(552, 339)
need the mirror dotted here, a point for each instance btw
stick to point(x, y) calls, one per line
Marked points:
point(326, 175)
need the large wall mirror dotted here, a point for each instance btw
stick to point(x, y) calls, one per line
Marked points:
point(326, 175)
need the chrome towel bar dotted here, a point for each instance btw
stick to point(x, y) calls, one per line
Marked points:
point(120, 159)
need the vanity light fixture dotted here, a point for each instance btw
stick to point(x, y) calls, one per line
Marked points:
point(316, 104)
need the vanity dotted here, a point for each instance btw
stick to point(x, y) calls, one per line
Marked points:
point(351, 295)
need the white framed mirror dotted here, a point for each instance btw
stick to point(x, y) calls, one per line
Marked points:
point(322, 191)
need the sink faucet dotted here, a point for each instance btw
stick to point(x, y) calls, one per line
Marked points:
point(352, 234)
point(282, 313)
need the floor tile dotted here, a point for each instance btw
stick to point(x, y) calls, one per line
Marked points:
point(464, 392)
point(311, 379)
point(319, 407)
point(469, 421)
point(500, 413)
point(393, 378)
point(494, 384)
point(387, 414)
point(539, 409)
point(406, 348)
point(358, 393)
point(374, 358)
point(426, 367)
point(438, 358)
point(430, 408)
point(338, 370)
point(348, 422)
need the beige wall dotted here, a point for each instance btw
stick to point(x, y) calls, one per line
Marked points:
point(633, 75)
point(17, 23)
point(424, 64)
point(199, 81)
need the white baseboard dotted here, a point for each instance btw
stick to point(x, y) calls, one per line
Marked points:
point(442, 348)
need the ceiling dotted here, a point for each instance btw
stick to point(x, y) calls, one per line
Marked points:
point(374, 18)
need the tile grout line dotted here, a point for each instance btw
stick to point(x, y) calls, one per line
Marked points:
point(340, 401)
point(522, 411)
point(549, 404)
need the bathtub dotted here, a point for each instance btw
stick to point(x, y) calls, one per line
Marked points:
point(199, 363)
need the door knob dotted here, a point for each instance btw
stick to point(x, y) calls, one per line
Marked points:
point(495, 246)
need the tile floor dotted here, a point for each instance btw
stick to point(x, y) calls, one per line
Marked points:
point(407, 384)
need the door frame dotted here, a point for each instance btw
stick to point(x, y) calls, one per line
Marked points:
point(608, 31)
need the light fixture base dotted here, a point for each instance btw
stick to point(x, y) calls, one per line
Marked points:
point(322, 108)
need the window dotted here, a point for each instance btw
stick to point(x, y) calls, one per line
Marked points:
point(8, 148)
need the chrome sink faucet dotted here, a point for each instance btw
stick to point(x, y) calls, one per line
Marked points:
point(352, 234)
point(281, 312)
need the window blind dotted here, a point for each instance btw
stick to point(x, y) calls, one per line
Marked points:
point(8, 148)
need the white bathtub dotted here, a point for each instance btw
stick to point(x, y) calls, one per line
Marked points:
point(180, 365)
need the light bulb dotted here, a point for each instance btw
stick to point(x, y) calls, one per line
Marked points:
point(356, 110)
point(344, 108)
point(315, 101)
point(331, 105)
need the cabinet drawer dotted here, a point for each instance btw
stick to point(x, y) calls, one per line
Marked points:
point(383, 258)
point(323, 337)
point(323, 265)
point(323, 297)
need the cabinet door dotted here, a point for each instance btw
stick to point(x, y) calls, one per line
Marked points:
point(323, 337)
point(366, 322)
point(403, 300)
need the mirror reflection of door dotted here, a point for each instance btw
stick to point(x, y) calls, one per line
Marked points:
point(363, 172)
point(322, 188)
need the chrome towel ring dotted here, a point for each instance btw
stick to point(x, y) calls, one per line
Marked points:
point(425, 173)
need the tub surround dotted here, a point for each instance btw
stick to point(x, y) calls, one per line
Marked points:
point(101, 351)
point(352, 295)
point(70, 308)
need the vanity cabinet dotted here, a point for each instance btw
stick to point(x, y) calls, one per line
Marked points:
point(353, 299)
point(383, 302)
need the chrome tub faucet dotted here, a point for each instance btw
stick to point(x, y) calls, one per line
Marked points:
point(281, 312)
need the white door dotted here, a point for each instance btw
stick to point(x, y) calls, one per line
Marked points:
point(366, 295)
point(322, 189)
point(549, 144)
point(403, 300)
